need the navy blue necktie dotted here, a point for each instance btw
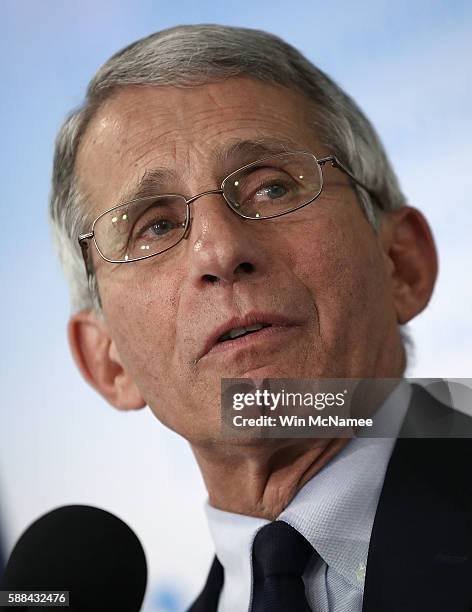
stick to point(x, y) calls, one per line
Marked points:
point(280, 555)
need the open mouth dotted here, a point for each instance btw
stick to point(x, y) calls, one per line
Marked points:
point(264, 327)
point(239, 332)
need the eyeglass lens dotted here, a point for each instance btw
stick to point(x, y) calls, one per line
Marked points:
point(264, 189)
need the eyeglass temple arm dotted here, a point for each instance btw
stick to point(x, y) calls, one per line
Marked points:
point(84, 246)
point(337, 164)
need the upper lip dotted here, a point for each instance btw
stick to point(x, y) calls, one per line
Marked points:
point(245, 321)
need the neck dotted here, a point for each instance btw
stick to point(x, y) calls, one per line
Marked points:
point(261, 481)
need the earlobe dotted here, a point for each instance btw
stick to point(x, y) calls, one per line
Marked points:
point(412, 260)
point(98, 360)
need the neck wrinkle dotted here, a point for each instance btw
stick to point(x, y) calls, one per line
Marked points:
point(262, 481)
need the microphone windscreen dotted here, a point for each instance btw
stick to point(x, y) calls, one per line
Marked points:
point(84, 550)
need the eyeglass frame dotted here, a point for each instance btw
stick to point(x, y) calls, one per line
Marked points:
point(332, 159)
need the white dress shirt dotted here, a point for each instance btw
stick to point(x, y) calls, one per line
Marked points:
point(334, 511)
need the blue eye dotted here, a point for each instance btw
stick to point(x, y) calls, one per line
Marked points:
point(162, 226)
point(275, 191)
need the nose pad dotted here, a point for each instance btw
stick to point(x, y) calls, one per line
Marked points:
point(189, 225)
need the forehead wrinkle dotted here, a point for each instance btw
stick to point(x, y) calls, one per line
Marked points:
point(237, 150)
point(254, 121)
point(254, 148)
point(143, 146)
point(151, 182)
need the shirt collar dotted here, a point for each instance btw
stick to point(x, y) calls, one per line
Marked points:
point(335, 510)
point(232, 536)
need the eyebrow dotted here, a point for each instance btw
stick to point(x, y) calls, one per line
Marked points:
point(250, 150)
point(227, 159)
point(149, 184)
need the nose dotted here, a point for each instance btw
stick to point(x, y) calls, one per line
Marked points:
point(224, 247)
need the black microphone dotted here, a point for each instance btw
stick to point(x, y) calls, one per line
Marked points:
point(84, 550)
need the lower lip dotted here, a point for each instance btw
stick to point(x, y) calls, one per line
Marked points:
point(275, 333)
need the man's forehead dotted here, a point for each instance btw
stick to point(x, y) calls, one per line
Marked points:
point(145, 131)
point(226, 157)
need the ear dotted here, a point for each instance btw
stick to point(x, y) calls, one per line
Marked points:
point(412, 260)
point(96, 357)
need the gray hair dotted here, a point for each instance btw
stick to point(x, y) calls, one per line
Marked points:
point(187, 56)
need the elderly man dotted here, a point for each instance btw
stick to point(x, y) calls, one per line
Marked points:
point(238, 217)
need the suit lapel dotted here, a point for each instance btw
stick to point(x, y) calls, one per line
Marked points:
point(420, 554)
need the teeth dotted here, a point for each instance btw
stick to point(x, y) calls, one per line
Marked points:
point(234, 333)
point(240, 331)
point(255, 327)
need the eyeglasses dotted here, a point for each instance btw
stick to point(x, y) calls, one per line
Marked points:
point(265, 189)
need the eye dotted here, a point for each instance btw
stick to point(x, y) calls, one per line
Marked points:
point(274, 191)
point(159, 219)
point(162, 226)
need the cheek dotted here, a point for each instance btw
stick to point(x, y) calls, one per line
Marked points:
point(341, 266)
point(141, 321)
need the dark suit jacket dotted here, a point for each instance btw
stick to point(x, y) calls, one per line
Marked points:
point(420, 553)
